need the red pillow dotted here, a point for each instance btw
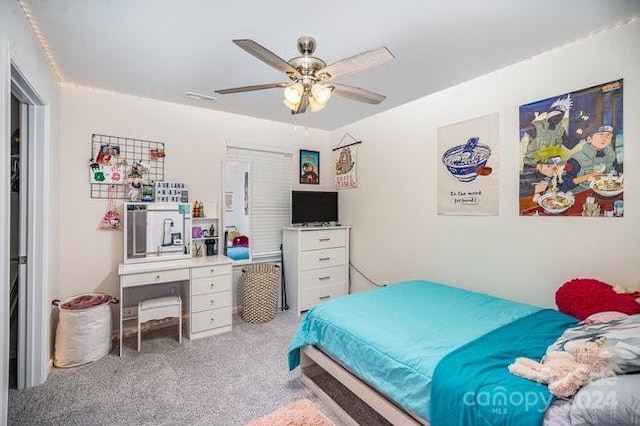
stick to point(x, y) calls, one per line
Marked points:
point(582, 297)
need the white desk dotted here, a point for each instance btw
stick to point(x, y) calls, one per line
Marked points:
point(206, 300)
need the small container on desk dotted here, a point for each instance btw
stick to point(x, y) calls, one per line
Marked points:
point(212, 247)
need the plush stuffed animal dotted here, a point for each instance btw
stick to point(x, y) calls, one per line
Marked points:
point(566, 372)
point(582, 297)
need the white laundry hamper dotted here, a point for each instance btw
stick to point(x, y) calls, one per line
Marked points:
point(84, 329)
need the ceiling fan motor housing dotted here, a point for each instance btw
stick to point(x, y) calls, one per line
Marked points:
point(307, 65)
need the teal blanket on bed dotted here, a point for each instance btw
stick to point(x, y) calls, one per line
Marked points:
point(393, 337)
point(472, 385)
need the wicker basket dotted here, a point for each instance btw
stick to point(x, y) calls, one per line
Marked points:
point(260, 292)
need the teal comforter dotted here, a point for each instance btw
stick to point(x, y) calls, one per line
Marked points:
point(394, 337)
point(472, 385)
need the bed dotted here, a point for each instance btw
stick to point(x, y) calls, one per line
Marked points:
point(421, 352)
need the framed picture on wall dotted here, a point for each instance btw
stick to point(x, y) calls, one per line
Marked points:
point(309, 167)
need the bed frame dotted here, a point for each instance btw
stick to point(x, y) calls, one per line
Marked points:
point(314, 362)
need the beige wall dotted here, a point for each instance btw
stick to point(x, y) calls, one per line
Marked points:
point(195, 144)
point(397, 233)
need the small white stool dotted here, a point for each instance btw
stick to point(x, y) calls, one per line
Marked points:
point(160, 308)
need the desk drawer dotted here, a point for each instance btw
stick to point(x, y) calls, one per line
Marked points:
point(323, 277)
point(313, 240)
point(308, 298)
point(210, 271)
point(322, 258)
point(146, 278)
point(207, 320)
point(202, 302)
point(210, 284)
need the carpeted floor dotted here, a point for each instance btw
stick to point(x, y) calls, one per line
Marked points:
point(229, 379)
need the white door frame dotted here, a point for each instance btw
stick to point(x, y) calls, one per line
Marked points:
point(37, 342)
point(5, 208)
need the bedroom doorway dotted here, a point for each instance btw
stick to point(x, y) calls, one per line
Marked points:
point(28, 315)
point(16, 271)
point(18, 241)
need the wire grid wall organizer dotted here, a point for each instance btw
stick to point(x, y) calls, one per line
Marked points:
point(130, 150)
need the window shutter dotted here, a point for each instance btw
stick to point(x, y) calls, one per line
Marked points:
point(269, 198)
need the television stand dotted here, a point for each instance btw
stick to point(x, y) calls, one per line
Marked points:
point(316, 264)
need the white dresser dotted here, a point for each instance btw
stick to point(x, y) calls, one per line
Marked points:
point(316, 265)
point(205, 284)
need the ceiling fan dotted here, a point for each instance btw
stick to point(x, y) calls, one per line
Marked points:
point(311, 78)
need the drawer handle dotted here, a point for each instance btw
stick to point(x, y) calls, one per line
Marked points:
point(157, 277)
point(324, 278)
point(212, 285)
point(322, 259)
point(324, 297)
point(211, 302)
point(211, 320)
point(212, 270)
point(322, 240)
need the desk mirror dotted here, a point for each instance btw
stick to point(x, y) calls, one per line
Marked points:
point(156, 231)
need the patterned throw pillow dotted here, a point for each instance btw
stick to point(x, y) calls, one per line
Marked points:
point(621, 337)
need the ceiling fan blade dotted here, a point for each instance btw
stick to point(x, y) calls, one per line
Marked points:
point(368, 59)
point(357, 94)
point(268, 57)
point(250, 88)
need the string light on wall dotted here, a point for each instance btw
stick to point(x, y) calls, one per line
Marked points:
point(26, 9)
point(616, 26)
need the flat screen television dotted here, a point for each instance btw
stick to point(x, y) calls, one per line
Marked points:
point(314, 207)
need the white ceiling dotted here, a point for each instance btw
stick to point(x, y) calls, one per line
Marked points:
point(163, 48)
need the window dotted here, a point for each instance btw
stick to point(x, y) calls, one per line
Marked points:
point(269, 200)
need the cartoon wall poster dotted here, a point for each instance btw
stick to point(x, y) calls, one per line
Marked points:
point(467, 167)
point(346, 164)
point(309, 167)
point(571, 154)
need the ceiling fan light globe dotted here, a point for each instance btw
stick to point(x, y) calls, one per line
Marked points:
point(321, 93)
point(292, 106)
point(314, 105)
point(293, 93)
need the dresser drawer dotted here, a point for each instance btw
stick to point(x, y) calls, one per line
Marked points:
point(323, 277)
point(202, 302)
point(322, 258)
point(207, 320)
point(310, 297)
point(146, 278)
point(210, 271)
point(210, 284)
point(314, 240)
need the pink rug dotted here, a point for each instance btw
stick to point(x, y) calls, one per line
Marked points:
point(299, 413)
